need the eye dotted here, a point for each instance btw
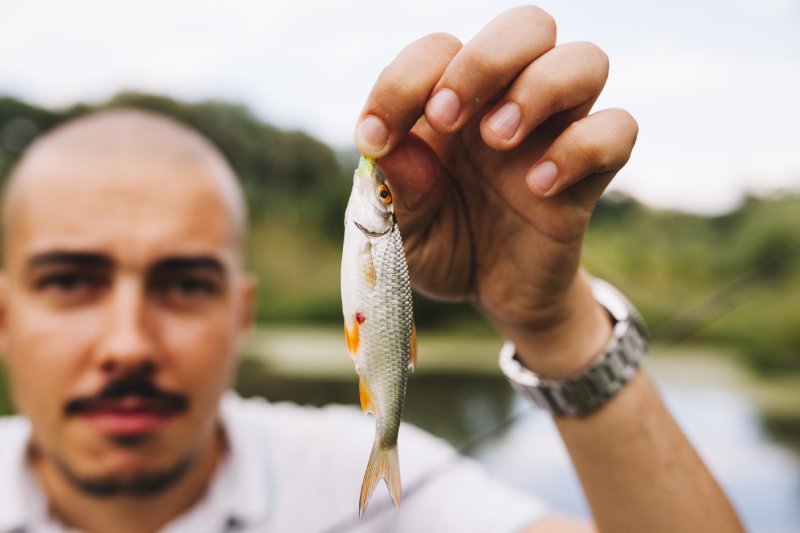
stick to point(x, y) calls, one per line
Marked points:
point(185, 291)
point(71, 288)
point(384, 194)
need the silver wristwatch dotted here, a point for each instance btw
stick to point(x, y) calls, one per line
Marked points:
point(603, 378)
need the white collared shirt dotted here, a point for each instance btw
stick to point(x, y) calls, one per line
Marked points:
point(299, 469)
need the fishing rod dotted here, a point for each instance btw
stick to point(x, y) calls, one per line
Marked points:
point(679, 328)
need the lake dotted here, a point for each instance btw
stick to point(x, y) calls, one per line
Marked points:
point(460, 396)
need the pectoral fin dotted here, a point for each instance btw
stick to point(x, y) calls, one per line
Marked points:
point(368, 266)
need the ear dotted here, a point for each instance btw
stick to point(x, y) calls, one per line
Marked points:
point(248, 296)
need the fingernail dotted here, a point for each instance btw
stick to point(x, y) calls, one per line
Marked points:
point(543, 176)
point(372, 134)
point(505, 121)
point(444, 107)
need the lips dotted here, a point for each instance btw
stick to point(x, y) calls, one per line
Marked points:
point(128, 406)
point(129, 416)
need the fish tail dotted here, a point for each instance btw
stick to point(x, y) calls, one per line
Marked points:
point(382, 463)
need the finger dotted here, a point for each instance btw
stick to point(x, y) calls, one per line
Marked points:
point(566, 77)
point(398, 97)
point(414, 175)
point(487, 64)
point(598, 144)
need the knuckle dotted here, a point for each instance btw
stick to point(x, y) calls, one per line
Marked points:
point(394, 85)
point(604, 143)
point(595, 55)
point(584, 148)
point(631, 122)
point(550, 84)
point(390, 95)
point(553, 90)
point(627, 128)
point(623, 124)
point(484, 64)
point(538, 17)
point(442, 43)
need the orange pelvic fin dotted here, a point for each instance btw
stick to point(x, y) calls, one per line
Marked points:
point(382, 463)
point(367, 405)
point(412, 356)
point(351, 336)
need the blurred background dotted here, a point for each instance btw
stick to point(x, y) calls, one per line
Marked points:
point(701, 229)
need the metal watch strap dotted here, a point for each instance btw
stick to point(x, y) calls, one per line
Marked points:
point(603, 378)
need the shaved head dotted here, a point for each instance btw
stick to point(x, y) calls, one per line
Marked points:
point(122, 139)
point(122, 261)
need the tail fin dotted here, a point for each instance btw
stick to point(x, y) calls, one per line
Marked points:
point(382, 463)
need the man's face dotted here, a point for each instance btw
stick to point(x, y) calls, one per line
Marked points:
point(121, 269)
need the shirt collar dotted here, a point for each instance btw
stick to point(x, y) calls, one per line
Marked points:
point(21, 497)
point(240, 491)
point(249, 460)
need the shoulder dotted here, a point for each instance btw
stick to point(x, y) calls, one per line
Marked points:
point(285, 419)
point(332, 429)
point(14, 434)
point(285, 430)
point(317, 457)
point(14, 431)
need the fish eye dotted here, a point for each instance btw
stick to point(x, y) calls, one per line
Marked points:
point(384, 194)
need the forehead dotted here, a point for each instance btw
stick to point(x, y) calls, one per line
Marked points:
point(133, 208)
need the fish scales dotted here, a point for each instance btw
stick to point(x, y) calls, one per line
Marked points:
point(391, 306)
point(378, 316)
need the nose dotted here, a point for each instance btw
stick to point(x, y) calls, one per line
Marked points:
point(127, 344)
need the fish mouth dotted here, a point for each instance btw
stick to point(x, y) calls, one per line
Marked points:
point(370, 233)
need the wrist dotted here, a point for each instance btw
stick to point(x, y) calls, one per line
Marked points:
point(570, 343)
point(597, 382)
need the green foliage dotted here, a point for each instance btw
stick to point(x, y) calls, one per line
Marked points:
point(731, 279)
point(279, 170)
point(6, 407)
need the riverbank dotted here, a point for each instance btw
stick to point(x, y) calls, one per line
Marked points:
point(319, 353)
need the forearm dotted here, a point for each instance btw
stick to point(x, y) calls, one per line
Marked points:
point(638, 470)
point(636, 467)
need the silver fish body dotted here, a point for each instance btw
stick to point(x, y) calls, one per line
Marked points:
point(379, 327)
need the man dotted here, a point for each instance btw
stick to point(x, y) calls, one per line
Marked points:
point(124, 304)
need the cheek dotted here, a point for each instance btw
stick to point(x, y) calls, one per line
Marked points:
point(47, 353)
point(202, 351)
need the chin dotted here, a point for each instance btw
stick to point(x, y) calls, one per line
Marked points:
point(127, 480)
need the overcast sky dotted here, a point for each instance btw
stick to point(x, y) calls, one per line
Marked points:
point(714, 84)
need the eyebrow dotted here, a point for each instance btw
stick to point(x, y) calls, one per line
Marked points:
point(75, 259)
point(200, 262)
point(102, 261)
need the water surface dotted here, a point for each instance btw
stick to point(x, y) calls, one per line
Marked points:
point(756, 460)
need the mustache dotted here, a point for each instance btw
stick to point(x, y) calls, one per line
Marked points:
point(129, 386)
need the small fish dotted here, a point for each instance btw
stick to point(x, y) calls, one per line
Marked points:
point(378, 321)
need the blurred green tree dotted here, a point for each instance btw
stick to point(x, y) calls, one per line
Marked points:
point(730, 279)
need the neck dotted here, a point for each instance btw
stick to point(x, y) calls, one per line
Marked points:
point(128, 514)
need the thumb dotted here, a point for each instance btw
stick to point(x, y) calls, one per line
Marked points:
point(415, 177)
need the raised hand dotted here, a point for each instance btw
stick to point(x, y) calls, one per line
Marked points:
point(495, 165)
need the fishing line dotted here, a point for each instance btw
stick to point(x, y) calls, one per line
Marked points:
point(459, 454)
point(730, 297)
point(674, 331)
